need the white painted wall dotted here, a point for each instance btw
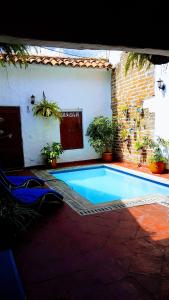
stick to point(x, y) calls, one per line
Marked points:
point(71, 88)
point(160, 102)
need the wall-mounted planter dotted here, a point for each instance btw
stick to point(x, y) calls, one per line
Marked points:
point(125, 110)
point(140, 110)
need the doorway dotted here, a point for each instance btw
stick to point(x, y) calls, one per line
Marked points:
point(11, 149)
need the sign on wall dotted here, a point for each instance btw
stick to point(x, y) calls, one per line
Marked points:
point(70, 114)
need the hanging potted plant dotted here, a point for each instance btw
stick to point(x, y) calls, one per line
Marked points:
point(47, 109)
point(140, 111)
point(125, 110)
point(143, 60)
point(124, 134)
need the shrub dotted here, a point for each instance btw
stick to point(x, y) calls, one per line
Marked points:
point(101, 132)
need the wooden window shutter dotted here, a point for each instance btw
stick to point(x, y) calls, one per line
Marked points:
point(71, 131)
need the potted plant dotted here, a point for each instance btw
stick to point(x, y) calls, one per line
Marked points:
point(101, 132)
point(157, 160)
point(141, 144)
point(140, 110)
point(47, 109)
point(124, 134)
point(51, 152)
point(125, 110)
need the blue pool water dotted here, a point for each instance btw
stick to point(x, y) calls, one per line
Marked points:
point(104, 184)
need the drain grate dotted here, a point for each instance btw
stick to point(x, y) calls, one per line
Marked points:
point(85, 212)
point(164, 203)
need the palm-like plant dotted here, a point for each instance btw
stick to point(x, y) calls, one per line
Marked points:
point(47, 109)
point(14, 219)
point(9, 51)
point(139, 60)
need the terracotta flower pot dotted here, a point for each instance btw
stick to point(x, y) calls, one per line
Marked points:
point(107, 156)
point(157, 167)
point(53, 163)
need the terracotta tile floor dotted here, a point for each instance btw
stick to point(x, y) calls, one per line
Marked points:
point(122, 254)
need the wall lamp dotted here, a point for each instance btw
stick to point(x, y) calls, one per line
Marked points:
point(161, 84)
point(32, 99)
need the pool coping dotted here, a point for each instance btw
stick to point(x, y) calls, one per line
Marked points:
point(83, 207)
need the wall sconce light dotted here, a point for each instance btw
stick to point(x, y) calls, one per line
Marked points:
point(32, 99)
point(161, 84)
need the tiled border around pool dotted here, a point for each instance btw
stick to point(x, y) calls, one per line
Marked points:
point(83, 207)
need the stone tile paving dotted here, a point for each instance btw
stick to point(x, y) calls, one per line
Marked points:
point(120, 254)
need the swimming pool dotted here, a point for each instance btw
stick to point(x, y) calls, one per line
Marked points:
point(105, 184)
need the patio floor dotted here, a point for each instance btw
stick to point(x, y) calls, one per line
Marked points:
point(122, 254)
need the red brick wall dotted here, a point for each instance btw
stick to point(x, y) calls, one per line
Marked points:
point(131, 89)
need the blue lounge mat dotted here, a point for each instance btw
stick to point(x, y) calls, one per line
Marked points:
point(10, 284)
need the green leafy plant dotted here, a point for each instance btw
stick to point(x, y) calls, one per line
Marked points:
point(51, 151)
point(124, 134)
point(101, 132)
point(142, 143)
point(47, 109)
point(165, 145)
point(157, 155)
point(124, 108)
point(142, 60)
point(14, 219)
point(8, 52)
point(139, 145)
point(137, 59)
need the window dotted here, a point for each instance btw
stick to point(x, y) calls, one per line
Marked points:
point(71, 130)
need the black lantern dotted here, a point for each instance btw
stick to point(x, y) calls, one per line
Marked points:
point(32, 99)
point(161, 84)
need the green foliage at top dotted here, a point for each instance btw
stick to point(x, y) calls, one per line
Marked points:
point(137, 59)
point(53, 150)
point(101, 132)
point(47, 109)
point(7, 52)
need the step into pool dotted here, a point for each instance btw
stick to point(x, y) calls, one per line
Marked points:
point(104, 184)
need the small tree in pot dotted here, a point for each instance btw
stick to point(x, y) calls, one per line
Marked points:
point(101, 132)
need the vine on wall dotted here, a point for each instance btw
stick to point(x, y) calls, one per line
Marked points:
point(132, 131)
